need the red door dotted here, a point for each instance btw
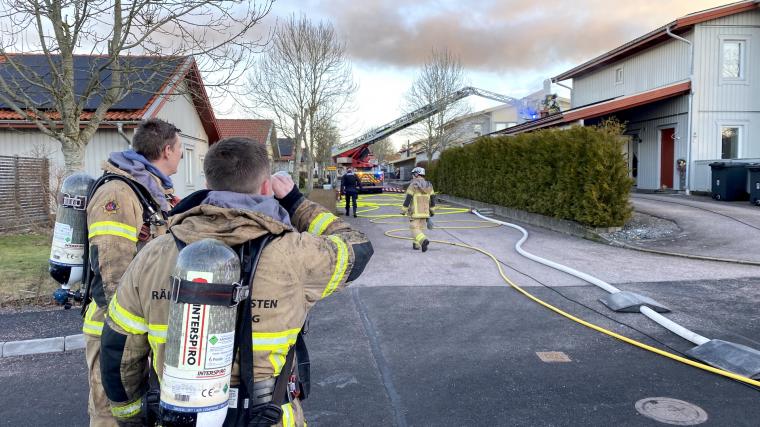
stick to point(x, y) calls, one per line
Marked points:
point(667, 158)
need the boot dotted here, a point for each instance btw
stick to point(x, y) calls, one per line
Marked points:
point(415, 247)
point(354, 212)
point(425, 244)
point(346, 211)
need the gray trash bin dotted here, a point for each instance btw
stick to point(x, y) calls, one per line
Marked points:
point(754, 183)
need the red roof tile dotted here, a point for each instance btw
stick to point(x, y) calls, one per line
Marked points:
point(257, 130)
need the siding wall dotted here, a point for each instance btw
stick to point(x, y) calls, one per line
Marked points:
point(719, 103)
point(659, 66)
point(646, 122)
point(32, 143)
point(180, 111)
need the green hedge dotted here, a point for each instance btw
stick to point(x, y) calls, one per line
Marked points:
point(579, 174)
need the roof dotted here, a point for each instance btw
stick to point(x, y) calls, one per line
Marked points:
point(152, 81)
point(257, 130)
point(601, 108)
point(657, 36)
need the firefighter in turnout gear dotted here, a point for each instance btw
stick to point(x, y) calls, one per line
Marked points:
point(419, 205)
point(311, 255)
point(119, 225)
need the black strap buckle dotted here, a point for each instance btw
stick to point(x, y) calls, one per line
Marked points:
point(176, 284)
point(239, 293)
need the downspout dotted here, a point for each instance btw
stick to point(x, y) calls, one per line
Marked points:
point(120, 131)
point(691, 106)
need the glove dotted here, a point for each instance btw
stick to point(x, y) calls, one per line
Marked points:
point(403, 212)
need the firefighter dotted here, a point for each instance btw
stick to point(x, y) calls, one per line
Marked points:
point(419, 205)
point(350, 186)
point(312, 254)
point(119, 226)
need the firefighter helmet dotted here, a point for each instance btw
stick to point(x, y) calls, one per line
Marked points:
point(418, 171)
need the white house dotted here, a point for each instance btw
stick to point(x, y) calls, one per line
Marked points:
point(689, 92)
point(180, 99)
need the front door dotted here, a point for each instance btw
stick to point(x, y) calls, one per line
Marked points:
point(667, 157)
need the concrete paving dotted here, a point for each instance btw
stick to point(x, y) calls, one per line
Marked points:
point(439, 339)
point(709, 227)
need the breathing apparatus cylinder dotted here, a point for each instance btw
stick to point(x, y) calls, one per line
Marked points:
point(195, 388)
point(66, 263)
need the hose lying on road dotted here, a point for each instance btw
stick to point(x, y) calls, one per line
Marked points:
point(368, 205)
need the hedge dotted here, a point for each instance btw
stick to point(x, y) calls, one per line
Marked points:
point(578, 174)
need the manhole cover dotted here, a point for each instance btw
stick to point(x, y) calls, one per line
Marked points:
point(671, 411)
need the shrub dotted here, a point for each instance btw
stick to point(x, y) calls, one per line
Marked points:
point(579, 174)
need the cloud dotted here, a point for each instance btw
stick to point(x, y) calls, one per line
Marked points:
point(494, 35)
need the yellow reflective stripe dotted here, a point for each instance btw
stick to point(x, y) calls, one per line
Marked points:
point(288, 418)
point(341, 264)
point(277, 344)
point(321, 222)
point(157, 332)
point(112, 228)
point(129, 322)
point(419, 238)
point(127, 410)
point(92, 327)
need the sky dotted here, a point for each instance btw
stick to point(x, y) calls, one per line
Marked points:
point(506, 46)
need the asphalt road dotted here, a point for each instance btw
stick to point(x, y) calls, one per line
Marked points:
point(438, 339)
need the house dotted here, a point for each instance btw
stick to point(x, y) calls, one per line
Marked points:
point(284, 157)
point(261, 131)
point(688, 92)
point(469, 127)
point(178, 96)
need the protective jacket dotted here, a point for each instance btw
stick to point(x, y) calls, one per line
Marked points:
point(305, 262)
point(116, 231)
point(350, 184)
point(419, 202)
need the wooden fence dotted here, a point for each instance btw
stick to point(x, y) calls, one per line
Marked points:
point(24, 192)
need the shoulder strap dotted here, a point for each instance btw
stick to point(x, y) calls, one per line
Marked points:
point(250, 252)
point(150, 207)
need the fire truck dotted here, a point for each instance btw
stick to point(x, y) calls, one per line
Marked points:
point(357, 154)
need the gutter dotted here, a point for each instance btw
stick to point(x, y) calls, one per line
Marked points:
point(690, 114)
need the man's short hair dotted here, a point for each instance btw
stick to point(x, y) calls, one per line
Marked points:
point(236, 164)
point(152, 136)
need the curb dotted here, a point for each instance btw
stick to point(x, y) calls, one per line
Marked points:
point(538, 220)
point(42, 346)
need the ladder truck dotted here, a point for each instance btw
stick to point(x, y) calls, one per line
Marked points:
point(357, 154)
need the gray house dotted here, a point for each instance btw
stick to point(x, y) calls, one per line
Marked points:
point(689, 92)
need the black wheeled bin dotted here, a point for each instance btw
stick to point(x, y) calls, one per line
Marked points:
point(754, 182)
point(729, 181)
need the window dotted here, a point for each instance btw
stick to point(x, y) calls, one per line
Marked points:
point(730, 137)
point(497, 126)
point(477, 129)
point(189, 167)
point(200, 164)
point(619, 75)
point(733, 60)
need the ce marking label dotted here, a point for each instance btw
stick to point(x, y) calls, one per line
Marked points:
point(209, 392)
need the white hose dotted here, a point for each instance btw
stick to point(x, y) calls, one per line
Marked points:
point(646, 311)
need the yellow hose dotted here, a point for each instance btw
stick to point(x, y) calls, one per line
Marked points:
point(367, 203)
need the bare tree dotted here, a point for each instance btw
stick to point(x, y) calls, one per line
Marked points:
point(303, 81)
point(441, 75)
point(326, 136)
point(382, 150)
point(68, 102)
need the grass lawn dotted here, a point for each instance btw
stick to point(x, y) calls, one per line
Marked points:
point(24, 267)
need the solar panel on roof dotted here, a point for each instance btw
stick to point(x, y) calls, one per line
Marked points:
point(144, 77)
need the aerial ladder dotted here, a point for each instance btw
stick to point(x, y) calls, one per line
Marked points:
point(356, 153)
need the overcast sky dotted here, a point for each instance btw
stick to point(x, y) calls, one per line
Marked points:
point(506, 46)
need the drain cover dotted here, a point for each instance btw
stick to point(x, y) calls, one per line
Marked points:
point(671, 411)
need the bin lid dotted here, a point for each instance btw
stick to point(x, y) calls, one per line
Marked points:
point(722, 165)
point(753, 166)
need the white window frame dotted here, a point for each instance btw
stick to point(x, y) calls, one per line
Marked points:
point(744, 49)
point(201, 159)
point(742, 134)
point(189, 158)
point(619, 71)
